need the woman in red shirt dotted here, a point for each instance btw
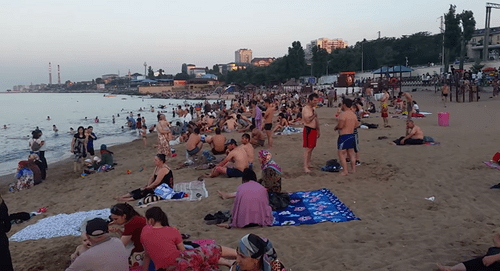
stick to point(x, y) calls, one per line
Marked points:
point(124, 214)
point(163, 244)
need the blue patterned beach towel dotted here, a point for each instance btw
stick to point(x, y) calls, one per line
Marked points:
point(313, 207)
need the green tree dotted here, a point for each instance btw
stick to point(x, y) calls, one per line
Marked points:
point(151, 73)
point(160, 74)
point(452, 34)
point(181, 76)
point(468, 27)
point(99, 81)
point(215, 69)
point(477, 66)
point(296, 61)
point(319, 61)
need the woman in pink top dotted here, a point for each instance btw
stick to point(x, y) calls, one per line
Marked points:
point(251, 204)
point(163, 244)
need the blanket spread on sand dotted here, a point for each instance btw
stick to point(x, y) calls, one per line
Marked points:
point(492, 164)
point(58, 225)
point(313, 207)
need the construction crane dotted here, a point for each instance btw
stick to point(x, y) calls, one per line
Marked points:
point(486, 40)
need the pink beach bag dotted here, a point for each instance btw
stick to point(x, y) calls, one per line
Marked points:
point(443, 118)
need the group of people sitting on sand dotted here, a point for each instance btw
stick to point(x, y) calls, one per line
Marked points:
point(151, 242)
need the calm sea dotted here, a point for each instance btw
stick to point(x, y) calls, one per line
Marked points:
point(23, 112)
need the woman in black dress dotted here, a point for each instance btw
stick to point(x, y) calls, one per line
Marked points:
point(5, 259)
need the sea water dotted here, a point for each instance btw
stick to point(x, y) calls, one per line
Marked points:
point(23, 112)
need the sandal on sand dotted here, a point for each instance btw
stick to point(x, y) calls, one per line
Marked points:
point(496, 186)
point(382, 137)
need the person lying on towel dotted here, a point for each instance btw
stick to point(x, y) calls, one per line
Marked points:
point(414, 137)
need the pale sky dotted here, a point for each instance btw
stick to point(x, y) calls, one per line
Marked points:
point(91, 38)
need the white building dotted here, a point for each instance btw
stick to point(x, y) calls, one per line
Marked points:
point(243, 56)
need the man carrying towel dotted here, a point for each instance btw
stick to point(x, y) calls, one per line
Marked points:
point(106, 253)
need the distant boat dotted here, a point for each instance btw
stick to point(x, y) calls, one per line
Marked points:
point(124, 98)
point(110, 95)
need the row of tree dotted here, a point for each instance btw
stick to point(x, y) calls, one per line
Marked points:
point(421, 48)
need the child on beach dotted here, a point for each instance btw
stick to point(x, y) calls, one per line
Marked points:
point(143, 133)
point(81, 248)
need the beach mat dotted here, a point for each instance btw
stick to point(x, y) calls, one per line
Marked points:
point(195, 190)
point(58, 225)
point(313, 207)
point(492, 164)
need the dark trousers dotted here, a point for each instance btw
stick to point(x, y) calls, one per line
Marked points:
point(5, 259)
point(409, 141)
point(42, 158)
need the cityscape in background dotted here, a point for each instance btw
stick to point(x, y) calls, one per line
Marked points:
point(201, 77)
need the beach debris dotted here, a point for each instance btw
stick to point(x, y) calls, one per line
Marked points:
point(141, 169)
point(42, 210)
point(129, 171)
point(430, 198)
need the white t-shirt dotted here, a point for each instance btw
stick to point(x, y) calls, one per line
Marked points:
point(188, 117)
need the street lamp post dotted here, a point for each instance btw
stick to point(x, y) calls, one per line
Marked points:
point(362, 58)
point(327, 62)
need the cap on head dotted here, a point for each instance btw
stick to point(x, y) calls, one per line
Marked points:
point(97, 227)
point(231, 141)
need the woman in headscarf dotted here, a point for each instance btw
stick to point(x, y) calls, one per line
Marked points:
point(256, 253)
point(163, 130)
point(271, 180)
point(251, 204)
point(271, 172)
point(5, 259)
point(24, 177)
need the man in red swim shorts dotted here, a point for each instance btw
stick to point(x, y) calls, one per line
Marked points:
point(311, 129)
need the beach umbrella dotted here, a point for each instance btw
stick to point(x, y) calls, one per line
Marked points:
point(488, 69)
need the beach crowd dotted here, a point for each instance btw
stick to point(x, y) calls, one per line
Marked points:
point(258, 117)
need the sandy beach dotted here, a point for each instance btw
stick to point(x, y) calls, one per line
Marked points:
point(399, 229)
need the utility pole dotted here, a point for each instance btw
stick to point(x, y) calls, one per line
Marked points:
point(145, 65)
point(363, 55)
point(486, 39)
point(442, 45)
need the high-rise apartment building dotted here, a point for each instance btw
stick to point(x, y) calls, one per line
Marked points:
point(324, 43)
point(243, 56)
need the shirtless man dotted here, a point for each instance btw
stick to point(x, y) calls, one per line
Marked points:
point(369, 93)
point(383, 108)
point(230, 124)
point(409, 103)
point(268, 122)
point(258, 137)
point(243, 121)
point(311, 129)
point(236, 155)
point(194, 144)
point(444, 92)
point(347, 141)
point(217, 142)
point(415, 135)
point(250, 151)
point(282, 123)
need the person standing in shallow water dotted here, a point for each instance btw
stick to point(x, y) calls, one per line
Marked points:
point(79, 148)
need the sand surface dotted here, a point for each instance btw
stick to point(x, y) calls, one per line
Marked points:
point(399, 229)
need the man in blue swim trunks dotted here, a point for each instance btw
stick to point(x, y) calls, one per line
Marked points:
point(347, 140)
point(237, 156)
